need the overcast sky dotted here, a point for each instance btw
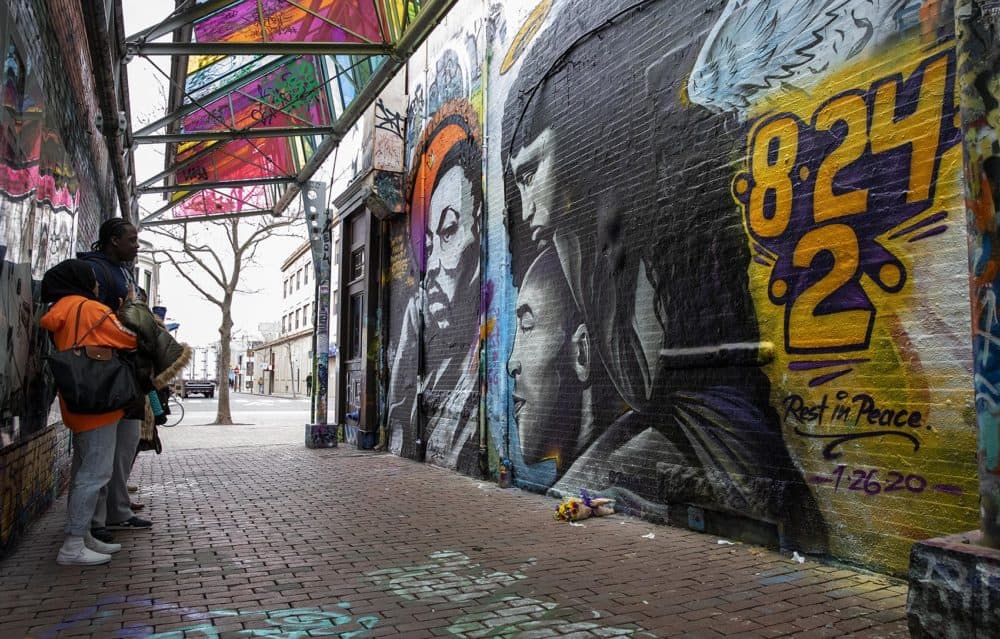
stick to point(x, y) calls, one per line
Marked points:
point(198, 318)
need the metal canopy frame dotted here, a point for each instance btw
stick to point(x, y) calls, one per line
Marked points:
point(385, 60)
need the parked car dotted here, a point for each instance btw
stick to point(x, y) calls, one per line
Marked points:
point(203, 387)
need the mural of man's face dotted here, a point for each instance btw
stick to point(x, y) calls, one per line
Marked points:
point(532, 167)
point(546, 390)
point(452, 243)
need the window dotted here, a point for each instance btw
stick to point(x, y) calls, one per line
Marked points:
point(354, 325)
point(307, 272)
point(357, 263)
point(297, 311)
point(306, 317)
point(284, 323)
point(284, 288)
point(298, 279)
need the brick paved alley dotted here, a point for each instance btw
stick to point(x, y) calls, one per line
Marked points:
point(278, 540)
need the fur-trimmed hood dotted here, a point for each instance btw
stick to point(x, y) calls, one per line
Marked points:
point(159, 357)
point(163, 378)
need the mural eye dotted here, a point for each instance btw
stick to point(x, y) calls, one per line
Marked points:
point(526, 177)
point(526, 321)
point(449, 224)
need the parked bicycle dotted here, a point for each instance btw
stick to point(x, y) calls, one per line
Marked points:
point(176, 412)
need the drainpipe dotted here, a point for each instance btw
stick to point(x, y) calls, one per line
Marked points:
point(484, 255)
point(383, 350)
point(422, 292)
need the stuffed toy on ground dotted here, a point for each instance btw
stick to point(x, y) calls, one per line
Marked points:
point(584, 507)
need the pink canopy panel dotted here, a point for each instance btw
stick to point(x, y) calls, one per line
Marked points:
point(239, 160)
point(220, 201)
point(300, 21)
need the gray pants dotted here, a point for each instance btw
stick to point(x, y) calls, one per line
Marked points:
point(93, 459)
point(114, 503)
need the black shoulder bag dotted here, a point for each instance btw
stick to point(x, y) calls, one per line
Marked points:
point(93, 379)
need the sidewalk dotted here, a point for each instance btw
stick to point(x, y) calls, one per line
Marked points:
point(285, 541)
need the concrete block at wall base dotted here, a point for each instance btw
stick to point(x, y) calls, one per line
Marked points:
point(954, 588)
point(321, 435)
point(353, 435)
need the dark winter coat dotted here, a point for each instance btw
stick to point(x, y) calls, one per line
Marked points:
point(159, 357)
point(115, 278)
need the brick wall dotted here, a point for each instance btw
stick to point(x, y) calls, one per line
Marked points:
point(435, 257)
point(55, 188)
point(724, 283)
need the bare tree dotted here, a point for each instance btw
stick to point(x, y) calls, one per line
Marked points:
point(213, 268)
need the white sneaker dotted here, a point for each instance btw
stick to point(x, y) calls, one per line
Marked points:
point(75, 553)
point(99, 546)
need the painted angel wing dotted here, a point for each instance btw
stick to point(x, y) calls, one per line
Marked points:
point(757, 46)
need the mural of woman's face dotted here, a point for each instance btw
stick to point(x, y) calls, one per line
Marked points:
point(452, 243)
point(532, 167)
point(540, 363)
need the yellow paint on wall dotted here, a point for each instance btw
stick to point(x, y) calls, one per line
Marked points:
point(908, 359)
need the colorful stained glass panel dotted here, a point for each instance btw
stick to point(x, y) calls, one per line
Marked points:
point(290, 96)
point(299, 21)
point(242, 160)
point(222, 201)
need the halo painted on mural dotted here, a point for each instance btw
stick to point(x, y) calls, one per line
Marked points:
point(525, 34)
point(454, 122)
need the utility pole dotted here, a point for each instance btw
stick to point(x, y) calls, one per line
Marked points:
point(319, 434)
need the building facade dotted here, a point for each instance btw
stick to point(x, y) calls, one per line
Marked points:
point(147, 273)
point(283, 361)
point(621, 247)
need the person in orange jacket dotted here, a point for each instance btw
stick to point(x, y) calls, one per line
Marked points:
point(69, 287)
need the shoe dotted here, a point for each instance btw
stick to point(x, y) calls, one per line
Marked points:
point(132, 488)
point(130, 523)
point(102, 534)
point(136, 506)
point(99, 546)
point(75, 553)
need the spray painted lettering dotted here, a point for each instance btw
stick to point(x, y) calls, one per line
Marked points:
point(811, 191)
point(867, 480)
point(863, 410)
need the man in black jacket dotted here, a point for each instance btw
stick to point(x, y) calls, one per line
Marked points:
point(111, 258)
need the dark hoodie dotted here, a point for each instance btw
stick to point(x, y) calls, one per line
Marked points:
point(115, 278)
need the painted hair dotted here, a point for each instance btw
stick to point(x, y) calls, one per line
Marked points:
point(450, 139)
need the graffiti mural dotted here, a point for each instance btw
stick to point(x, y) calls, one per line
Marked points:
point(55, 185)
point(620, 379)
point(39, 200)
point(850, 191)
point(434, 377)
point(723, 283)
point(445, 209)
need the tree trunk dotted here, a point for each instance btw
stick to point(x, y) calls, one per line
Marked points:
point(223, 416)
